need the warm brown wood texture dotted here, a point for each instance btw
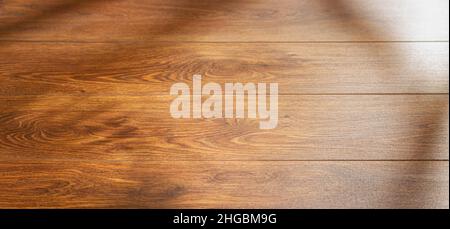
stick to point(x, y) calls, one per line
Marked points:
point(314, 127)
point(363, 105)
point(225, 21)
point(142, 69)
point(219, 184)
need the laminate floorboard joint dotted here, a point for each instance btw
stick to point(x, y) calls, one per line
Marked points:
point(281, 94)
point(281, 161)
point(220, 42)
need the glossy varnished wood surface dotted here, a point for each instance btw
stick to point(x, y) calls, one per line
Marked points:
point(225, 21)
point(221, 184)
point(311, 127)
point(84, 104)
point(143, 69)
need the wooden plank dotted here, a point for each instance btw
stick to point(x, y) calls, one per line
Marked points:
point(224, 184)
point(314, 127)
point(231, 20)
point(143, 69)
point(363, 113)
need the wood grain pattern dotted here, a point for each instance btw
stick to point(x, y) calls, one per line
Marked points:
point(395, 127)
point(143, 69)
point(363, 113)
point(231, 20)
point(225, 184)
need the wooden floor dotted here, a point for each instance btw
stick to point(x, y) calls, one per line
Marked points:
point(363, 104)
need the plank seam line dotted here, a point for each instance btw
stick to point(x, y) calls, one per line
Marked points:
point(283, 94)
point(223, 42)
point(147, 161)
